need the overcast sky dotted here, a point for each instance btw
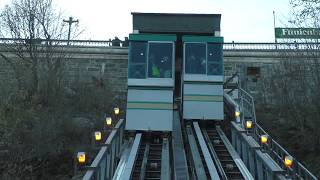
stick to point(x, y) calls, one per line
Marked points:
point(241, 20)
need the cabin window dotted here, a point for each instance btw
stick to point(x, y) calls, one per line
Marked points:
point(160, 60)
point(137, 60)
point(214, 55)
point(253, 71)
point(195, 58)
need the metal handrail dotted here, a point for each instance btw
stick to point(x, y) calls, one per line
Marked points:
point(99, 168)
point(246, 100)
point(227, 46)
point(62, 42)
point(272, 46)
point(278, 153)
point(274, 149)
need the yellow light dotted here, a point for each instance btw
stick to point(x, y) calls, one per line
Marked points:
point(237, 113)
point(109, 121)
point(249, 124)
point(288, 161)
point(116, 111)
point(97, 135)
point(81, 156)
point(264, 139)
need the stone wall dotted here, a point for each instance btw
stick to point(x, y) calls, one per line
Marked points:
point(82, 65)
point(109, 64)
point(7, 81)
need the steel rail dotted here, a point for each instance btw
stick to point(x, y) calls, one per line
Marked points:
point(132, 157)
point(242, 167)
point(206, 154)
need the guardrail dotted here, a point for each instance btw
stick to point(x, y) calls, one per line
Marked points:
point(105, 163)
point(73, 43)
point(227, 46)
point(274, 149)
point(278, 154)
point(271, 46)
point(247, 106)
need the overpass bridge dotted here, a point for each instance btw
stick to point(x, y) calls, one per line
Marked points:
point(232, 150)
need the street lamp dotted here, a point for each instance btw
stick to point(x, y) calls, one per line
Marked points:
point(97, 136)
point(264, 139)
point(116, 110)
point(288, 161)
point(81, 157)
point(108, 121)
point(249, 124)
point(237, 113)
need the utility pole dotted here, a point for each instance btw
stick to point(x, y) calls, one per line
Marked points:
point(70, 21)
point(274, 26)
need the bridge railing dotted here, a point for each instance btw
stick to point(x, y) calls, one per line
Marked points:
point(105, 163)
point(227, 46)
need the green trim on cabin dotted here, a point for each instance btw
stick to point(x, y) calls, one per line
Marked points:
point(203, 82)
point(148, 109)
point(203, 98)
point(149, 105)
point(148, 102)
point(202, 39)
point(151, 87)
point(152, 37)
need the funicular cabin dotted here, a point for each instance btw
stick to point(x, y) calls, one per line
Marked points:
point(175, 60)
point(203, 78)
point(150, 82)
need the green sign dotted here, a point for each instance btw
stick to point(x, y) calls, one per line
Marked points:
point(297, 33)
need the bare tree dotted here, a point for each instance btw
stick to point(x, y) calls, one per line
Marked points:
point(35, 25)
point(306, 12)
point(30, 123)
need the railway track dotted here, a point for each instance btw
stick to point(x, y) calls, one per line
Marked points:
point(212, 154)
point(147, 165)
point(139, 161)
point(153, 169)
point(225, 160)
point(204, 162)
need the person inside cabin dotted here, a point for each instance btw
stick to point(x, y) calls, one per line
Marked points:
point(160, 60)
point(154, 70)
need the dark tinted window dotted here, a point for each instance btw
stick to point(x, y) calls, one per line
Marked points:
point(195, 58)
point(253, 71)
point(137, 60)
point(214, 54)
point(160, 60)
